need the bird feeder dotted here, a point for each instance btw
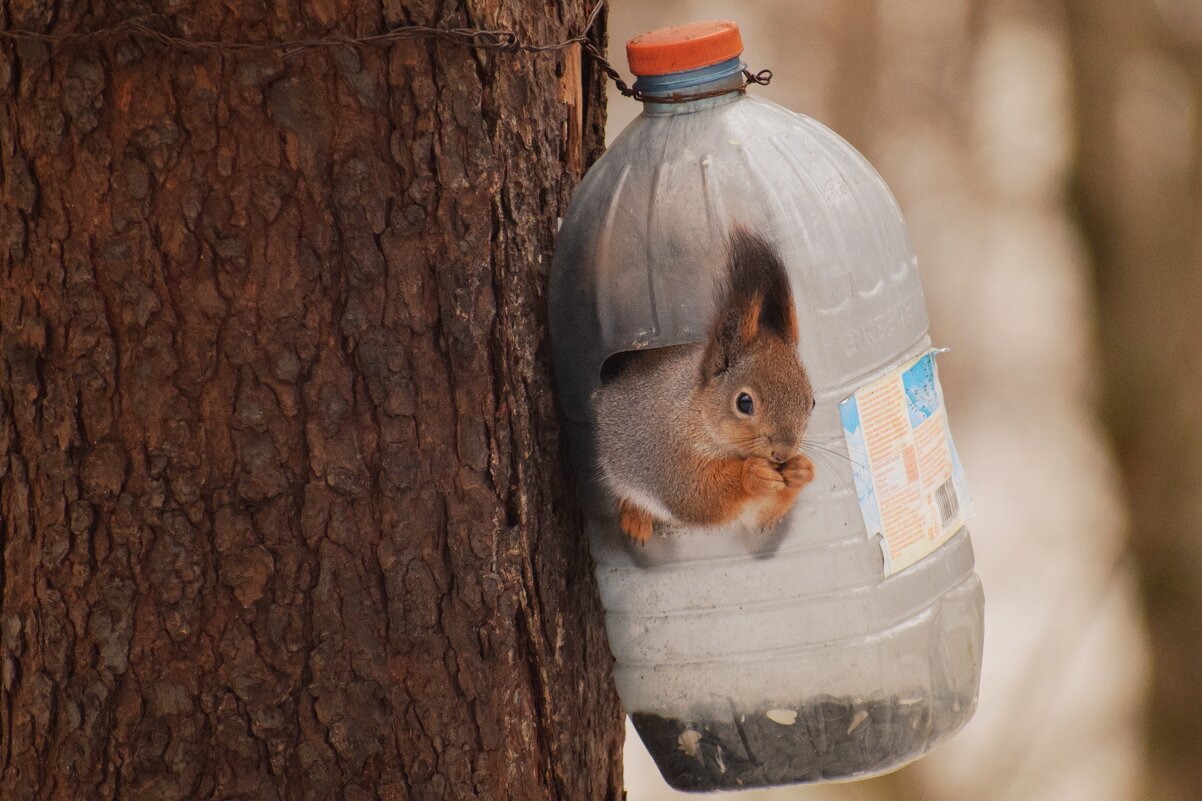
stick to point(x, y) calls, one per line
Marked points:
point(846, 641)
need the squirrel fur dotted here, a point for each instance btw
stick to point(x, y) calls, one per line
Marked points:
point(709, 433)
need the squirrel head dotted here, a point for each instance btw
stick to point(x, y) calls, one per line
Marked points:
point(756, 396)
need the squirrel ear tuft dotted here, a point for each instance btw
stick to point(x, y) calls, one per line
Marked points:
point(759, 283)
point(755, 301)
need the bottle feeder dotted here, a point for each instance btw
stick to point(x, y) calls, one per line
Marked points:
point(846, 641)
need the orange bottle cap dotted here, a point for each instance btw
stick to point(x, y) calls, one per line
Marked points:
point(684, 47)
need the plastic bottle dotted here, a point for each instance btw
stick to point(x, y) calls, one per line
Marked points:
point(795, 656)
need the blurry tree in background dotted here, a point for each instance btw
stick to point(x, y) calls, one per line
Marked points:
point(1138, 68)
point(1048, 158)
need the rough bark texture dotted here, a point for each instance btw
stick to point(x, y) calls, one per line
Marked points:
point(283, 507)
point(1139, 82)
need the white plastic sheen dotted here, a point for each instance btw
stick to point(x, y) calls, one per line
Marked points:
point(709, 625)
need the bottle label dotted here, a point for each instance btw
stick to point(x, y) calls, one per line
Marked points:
point(908, 478)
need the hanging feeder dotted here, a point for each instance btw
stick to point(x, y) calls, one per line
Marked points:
point(846, 641)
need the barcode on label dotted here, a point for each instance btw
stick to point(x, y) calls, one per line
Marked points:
point(949, 503)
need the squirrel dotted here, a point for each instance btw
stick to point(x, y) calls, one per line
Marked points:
point(709, 433)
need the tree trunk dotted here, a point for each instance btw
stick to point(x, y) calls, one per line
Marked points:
point(1139, 82)
point(282, 496)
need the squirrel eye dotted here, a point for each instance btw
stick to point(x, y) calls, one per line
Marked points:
point(813, 404)
point(744, 404)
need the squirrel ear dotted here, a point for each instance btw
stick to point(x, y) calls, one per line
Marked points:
point(726, 340)
point(759, 287)
point(749, 325)
point(735, 330)
point(792, 335)
point(755, 301)
point(716, 360)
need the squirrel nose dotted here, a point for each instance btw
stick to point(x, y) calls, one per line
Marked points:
point(783, 453)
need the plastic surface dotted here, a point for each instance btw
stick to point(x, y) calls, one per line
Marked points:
point(749, 660)
point(683, 47)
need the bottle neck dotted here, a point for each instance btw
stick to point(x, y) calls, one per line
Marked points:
point(726, 75)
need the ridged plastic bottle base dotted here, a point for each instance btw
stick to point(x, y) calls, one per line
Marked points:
point(831, 739)
point(831, 712)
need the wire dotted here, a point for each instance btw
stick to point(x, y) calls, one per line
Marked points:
point(501, 40)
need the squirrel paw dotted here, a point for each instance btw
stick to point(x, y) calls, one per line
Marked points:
point(797, 472)
point(761, 477)
point(636, 522)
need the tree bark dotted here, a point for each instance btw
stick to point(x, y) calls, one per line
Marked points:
point(282, 493)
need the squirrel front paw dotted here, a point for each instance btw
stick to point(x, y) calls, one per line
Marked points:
point(761, 476)
point(797, 472)
point(636, 522)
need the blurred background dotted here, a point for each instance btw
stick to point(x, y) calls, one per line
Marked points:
point(1047, 156)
